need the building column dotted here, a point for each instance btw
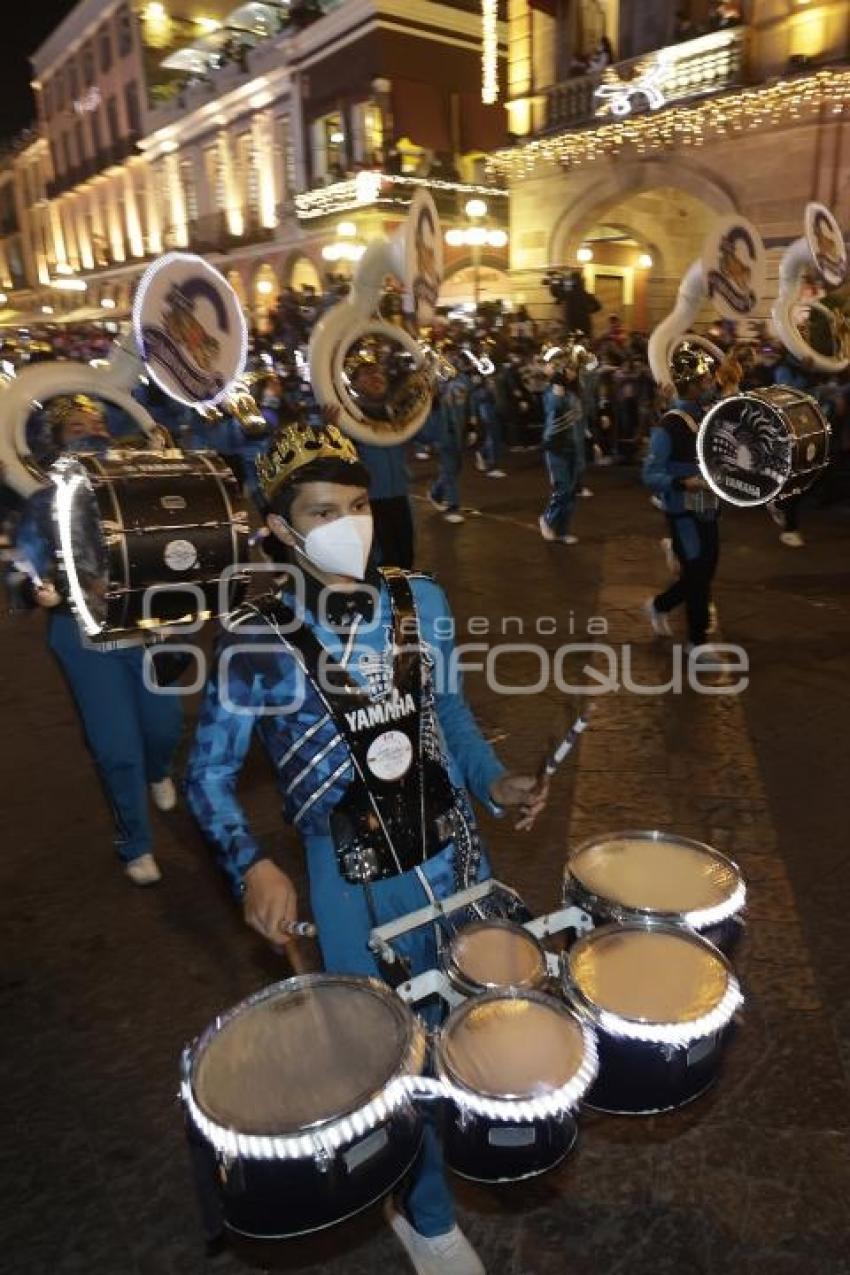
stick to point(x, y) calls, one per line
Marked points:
point(152, 217)
point(59, 250)
point(83, 235)
point(234, 216)
point(131, 214)
point(176, 200)
point(116, 230)
point(262, 145)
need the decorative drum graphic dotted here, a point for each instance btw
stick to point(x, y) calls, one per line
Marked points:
point(661, 999)
point(632, 876)
point(513, 1066)
point(301, 1098)
point(146, 537)
point(757, 447)
point(486, 955)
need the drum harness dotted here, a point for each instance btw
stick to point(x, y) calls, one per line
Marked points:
point(378, 840)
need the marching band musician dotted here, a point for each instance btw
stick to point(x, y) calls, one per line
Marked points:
point(131, 732)
point(672, 474)
point(375, 751)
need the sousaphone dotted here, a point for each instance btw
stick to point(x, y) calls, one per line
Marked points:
point(379, 376)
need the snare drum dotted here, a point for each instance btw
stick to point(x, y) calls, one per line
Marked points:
point(301, 1099)
point(661, 1000)
point(146, 537)
point(634, 876)
point(513, 1067)
point(486, 955)
point(764, 445)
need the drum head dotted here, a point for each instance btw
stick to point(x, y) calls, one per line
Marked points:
point(511, 1047)
point(653, 873)
point(84, 549)
point(498, 954)
point(649, 975)
point(745, 448)
point(297, 1056)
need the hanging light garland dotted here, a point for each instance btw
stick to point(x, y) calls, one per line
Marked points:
point(489, 51)
point(726, 116)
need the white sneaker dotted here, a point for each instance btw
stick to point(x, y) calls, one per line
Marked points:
point(545, 530)
point(480, 463)
point(454, 515)
point(496, 473)
point(585, 493)
point(657, 502)
point(144, 870)
point(777, 513)
point(659, 621)
point(164, 794)
point(792, 539)
point(450, 1254)
point(567, 540)
point(439, 505)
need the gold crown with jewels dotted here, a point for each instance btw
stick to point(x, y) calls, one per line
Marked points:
point(296, 445)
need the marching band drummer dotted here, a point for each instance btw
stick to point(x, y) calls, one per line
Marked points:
point(693, 511)
point(374, 777)
point(131, 732)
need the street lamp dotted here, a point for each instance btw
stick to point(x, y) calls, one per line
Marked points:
point(584, 254)
point(645, 261)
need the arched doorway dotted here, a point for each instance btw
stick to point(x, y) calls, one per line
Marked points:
point(266, 293)
point(304, 275)
point(634, 247)
point(488, 282)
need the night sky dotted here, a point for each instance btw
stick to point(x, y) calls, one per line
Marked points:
point(34, 20)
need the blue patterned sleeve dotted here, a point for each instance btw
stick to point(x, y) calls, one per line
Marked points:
point(475, 759)
point(657, 475)
point(222, 738)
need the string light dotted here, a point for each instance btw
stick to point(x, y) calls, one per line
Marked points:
point(489, 51)
point(741, 112)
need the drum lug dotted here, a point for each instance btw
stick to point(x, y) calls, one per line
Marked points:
point(322, 1157)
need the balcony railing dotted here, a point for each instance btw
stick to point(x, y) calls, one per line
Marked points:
point(212, 234)
point(370, 189)
point(677, 73)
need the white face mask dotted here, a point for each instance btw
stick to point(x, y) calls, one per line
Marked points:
point(341, 547)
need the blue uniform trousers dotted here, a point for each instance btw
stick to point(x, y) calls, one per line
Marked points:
point(343, 921)
point(131, 732)
point(562, 468)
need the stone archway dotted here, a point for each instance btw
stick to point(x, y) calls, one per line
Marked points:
point(301, 272)
point(643, 227)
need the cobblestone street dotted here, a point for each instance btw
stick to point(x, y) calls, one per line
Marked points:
point(102, 984)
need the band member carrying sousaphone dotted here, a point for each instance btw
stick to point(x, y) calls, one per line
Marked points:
point(345, 673)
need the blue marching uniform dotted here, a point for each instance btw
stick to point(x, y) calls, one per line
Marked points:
point(563, 427)
point(256, 687)
point(692, 516)
point(131, 732)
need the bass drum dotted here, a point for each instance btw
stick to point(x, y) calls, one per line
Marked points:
point(298, 1102)
point(764, 445)
point(149, 539)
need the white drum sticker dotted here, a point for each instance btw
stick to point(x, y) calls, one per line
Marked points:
point(390, 756)
point(180, 555)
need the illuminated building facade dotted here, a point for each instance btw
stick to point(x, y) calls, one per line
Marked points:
point(275, 138)
point(706, 108)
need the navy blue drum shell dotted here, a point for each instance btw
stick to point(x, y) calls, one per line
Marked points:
point(492, 1151)
point(638, 1077)
point(279, 1199)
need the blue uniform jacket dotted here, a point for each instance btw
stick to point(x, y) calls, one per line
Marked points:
point(387, 470)
point(257, 684)
point(563, 421)
point(672, 456)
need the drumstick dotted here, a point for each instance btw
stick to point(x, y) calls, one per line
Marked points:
point(298, 929)
point(27, 569)
point(561, 752)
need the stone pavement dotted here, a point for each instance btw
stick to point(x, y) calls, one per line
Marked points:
point(101, 985)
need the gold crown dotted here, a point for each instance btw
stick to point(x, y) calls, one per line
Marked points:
point(297, 445)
